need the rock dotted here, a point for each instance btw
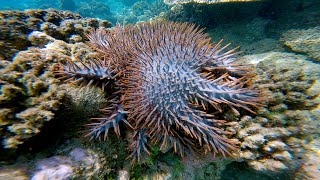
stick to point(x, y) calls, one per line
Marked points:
point(123, 175)
point(80, 163)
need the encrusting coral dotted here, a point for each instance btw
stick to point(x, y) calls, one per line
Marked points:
point(166, 81)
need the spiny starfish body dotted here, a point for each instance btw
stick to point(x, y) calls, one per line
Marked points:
point(168, 78)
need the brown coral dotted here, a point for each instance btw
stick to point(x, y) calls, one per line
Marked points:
point(29, 97)
point(63, 25)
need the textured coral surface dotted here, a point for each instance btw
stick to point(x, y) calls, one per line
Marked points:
point(29, 97)
point(29, 94)
point(63, 25)
point(304, 41)
point(273, 140)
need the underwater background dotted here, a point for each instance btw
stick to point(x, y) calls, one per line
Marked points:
point(44, 121)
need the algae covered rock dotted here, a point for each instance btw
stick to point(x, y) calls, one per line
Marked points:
point(310, 168)
point(304, 41)
point(74, 159)
point(206, 167)
point(78, 163)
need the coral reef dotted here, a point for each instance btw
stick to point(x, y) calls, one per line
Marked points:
point(206, 14)
point(95, 9)
point(67, 5)
point(281, 16)
point(248, 34)
point(273, 140)
point(290, 15)
point(304, 41)
point(207, 167)
point(29, 95)
point(62, 25)
point(255, 26)
point(165, 93)
point(203, 1)
point(143, 11)
point(113, 11)
point(35, 108)
point(280, 142)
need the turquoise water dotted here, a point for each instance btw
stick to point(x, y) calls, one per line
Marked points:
point(168, 94)
point(124, 10)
